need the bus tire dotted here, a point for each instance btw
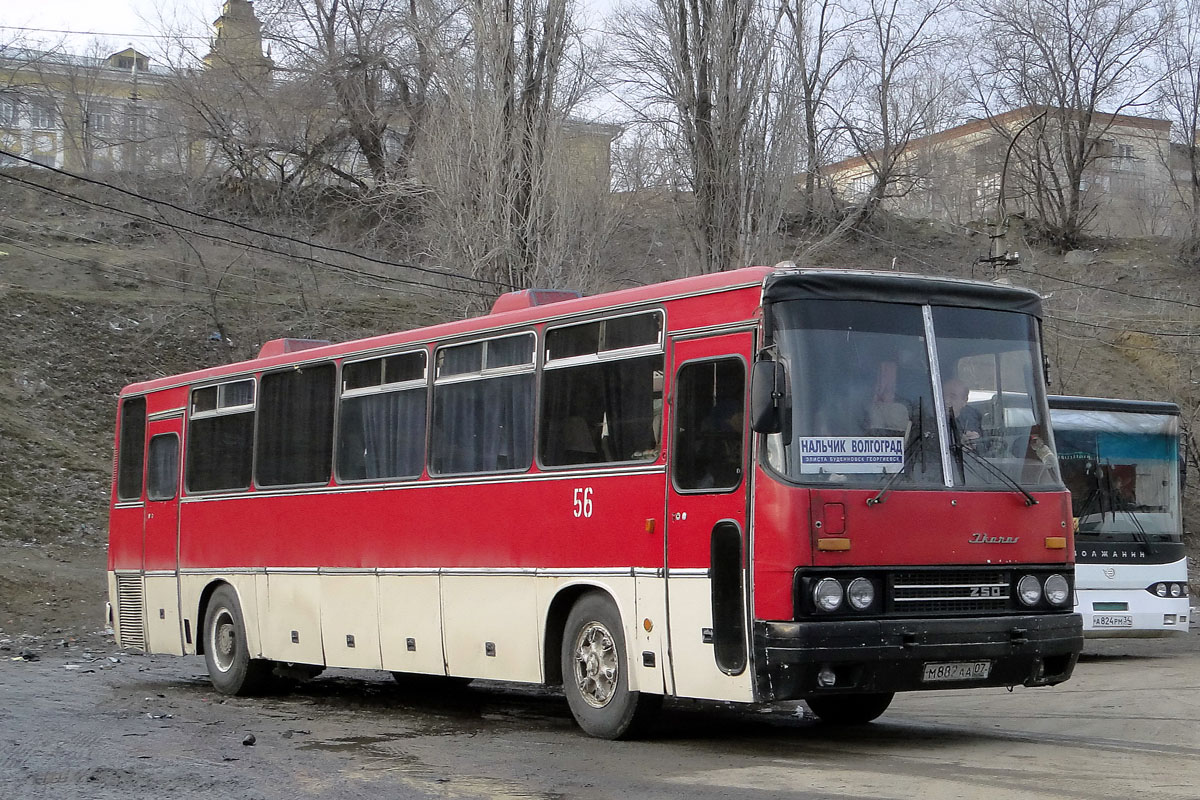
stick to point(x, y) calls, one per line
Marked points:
point(595, 669)
point(226, 653)
point(850, 709)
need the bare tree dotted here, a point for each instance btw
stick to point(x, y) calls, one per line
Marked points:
point(899, 88)
point(1179, 99)
point(513, 184)
point(372, 62)
point(1082, 62)
point(818, 35)
point(709, 77)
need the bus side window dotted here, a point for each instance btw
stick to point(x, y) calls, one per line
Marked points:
point(709, 425)
point(381, 422)
point(162, 469)
point(131, 449)
point(602, 391)
point(295, 430)
point(220, 440)
point(483, 407)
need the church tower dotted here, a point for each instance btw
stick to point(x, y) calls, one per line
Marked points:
point(238, 45)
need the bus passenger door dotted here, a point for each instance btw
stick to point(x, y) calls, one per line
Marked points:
point(160, 559)
point(707, 519)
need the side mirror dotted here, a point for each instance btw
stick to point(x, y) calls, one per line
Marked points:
point(767, 380)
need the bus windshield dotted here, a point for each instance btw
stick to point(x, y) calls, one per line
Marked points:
point(865, 404)
point(1123, 472)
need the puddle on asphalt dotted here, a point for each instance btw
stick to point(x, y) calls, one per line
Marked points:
point(345, 744)
point(380, 757)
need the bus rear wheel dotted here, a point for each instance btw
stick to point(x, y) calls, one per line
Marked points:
point(850, 709)
point(226, 653)
point(595, 669)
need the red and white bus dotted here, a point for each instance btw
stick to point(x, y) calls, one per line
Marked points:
point(748, 486)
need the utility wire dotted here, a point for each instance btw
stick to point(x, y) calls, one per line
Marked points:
point(1107, 289)
point(106, 33)
point(42, 229)
point(178, 283)
point(1123, 330)
point(161, 280)
point(251, 229)
point(262, 248)
point(253, 279)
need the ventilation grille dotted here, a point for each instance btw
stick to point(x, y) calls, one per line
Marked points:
point(131, 629)
point(950, 592)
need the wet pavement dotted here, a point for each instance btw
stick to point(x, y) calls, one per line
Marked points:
point(95, 722)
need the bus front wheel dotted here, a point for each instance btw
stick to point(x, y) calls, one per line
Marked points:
point(226, 653)
point(595, 673)
point(850, 709)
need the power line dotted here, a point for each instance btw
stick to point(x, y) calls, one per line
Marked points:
point(1122, 330)
point(176, 282)
point(1107, 289)
point(170, 282)
point(262, 248)
point(106, 33)
point(252, 279)
point(249, 228)
point(155, 256)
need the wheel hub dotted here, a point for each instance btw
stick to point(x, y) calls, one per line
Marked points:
point(596, 666)
point(223, 640)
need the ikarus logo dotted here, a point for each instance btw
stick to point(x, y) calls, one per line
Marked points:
point(983, 538)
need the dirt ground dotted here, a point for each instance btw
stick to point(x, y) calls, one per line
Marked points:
point(89, 721)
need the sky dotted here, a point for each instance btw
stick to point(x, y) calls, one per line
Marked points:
point(120, 22)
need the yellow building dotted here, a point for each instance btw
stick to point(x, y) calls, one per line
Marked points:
point(955, 175)
point(81, 112)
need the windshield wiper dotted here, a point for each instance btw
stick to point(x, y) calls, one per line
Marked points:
point(1030, 500)
point(1140, 534)
point(910, 449)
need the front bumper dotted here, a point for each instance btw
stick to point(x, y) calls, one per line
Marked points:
point(890, 655)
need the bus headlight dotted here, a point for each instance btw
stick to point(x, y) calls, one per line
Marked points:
point(827, 594)
point(1160, 589)
point(860, 594)
point(1029, 589)
point(1057, 590)
point(1176, 590)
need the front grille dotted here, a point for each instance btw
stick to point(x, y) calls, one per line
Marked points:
point(949, 591)
point(131, 626)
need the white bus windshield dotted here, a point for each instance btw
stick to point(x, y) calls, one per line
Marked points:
point(1123, 472)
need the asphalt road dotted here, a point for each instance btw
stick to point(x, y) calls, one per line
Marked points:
point(100, 723)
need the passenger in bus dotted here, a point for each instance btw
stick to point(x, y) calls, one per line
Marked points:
point(966, 419)
point(887, 416)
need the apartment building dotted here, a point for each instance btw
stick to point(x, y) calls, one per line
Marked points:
point(1129, 188)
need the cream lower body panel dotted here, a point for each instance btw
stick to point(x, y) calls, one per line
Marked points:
point(475, 624)
point(410, 623)
point(693, 661)
point(163, 630)
point(350, 620)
